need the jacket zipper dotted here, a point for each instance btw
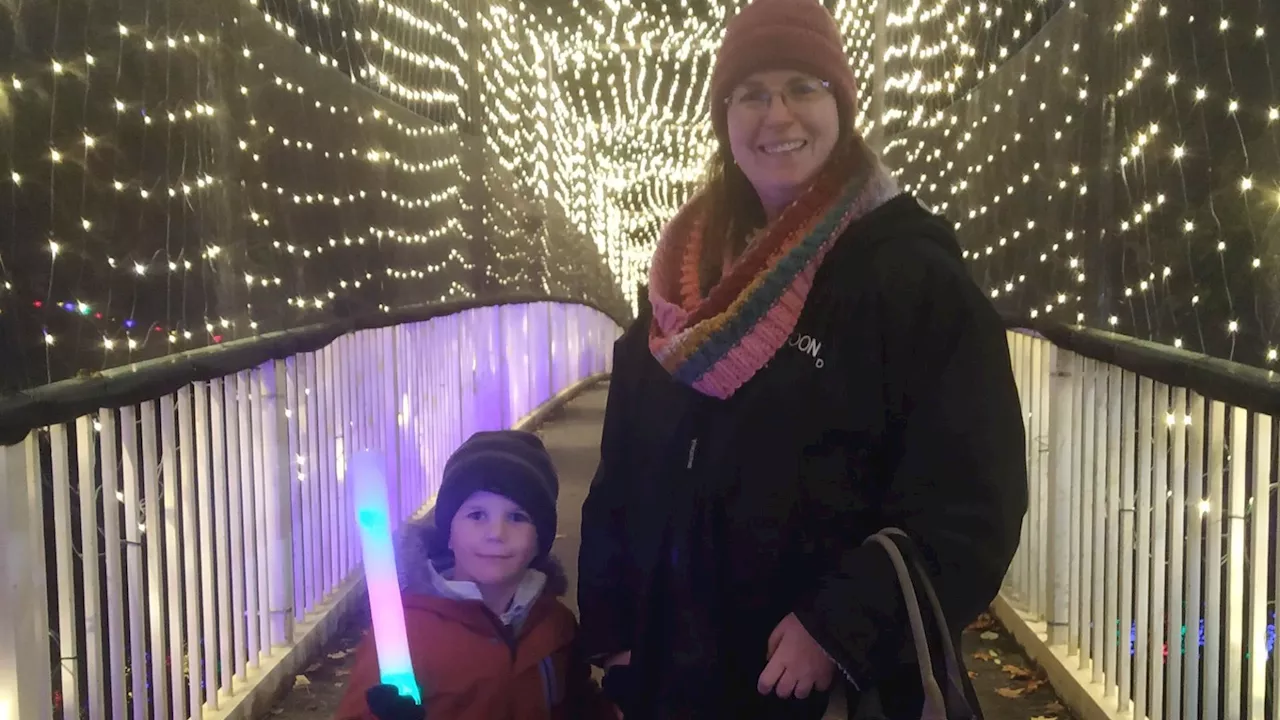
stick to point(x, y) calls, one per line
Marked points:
point(699, 410)
point(509, 638)
point(688, 466)
point(505, 633)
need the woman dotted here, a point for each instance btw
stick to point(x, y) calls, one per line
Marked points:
point(817, 366)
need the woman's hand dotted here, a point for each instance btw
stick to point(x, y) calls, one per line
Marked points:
point(797, 664)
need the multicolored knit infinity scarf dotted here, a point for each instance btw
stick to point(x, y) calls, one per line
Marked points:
point(717, 343)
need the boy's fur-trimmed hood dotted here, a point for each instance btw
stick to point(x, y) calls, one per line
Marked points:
point(422, 553)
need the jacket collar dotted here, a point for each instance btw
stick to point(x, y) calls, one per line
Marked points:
point(527, 593)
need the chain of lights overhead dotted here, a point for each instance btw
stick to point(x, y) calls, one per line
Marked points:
point(628, 99)
point(990, 112)
point(1119, 172)
point(150, 213)
point(590, 121)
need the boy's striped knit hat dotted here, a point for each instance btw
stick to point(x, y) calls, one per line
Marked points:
point(511, 463)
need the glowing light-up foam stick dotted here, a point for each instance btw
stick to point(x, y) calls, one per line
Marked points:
point(373, 515)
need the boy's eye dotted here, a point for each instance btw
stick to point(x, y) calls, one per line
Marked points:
point(520, 517)
point(476, 515)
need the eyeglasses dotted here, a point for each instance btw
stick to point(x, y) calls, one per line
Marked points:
point(796, 94)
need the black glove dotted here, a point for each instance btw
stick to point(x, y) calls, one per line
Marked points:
point(619, 686)
point(386, 703)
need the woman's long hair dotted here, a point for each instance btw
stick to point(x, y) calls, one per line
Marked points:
point(732, 210)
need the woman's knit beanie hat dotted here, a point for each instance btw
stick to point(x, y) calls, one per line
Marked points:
point(780, 35)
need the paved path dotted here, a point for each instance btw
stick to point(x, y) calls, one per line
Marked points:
point(1009, 687)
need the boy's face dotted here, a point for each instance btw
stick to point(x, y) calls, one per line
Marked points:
point(493, 540)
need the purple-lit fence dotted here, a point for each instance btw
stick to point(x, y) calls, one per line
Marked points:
point(219, 518)
point(1148, 559)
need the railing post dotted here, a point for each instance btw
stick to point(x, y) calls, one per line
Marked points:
point(395, 387)
point(279, 502)
point(1057, 606)
point(503, 382)
point(25, 688)
point(1039, 430)
point(551, 353)
point(458, 323)
point(401, 384)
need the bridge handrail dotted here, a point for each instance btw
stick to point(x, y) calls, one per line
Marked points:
point(1144, 582)
point(66, 400)
point(1234, 383)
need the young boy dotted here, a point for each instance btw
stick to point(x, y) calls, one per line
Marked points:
point(487, 635)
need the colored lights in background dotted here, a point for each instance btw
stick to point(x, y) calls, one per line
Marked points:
point(1133, 638)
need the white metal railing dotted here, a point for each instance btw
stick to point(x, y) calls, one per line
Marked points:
point(218, 518)
point(1149, 548)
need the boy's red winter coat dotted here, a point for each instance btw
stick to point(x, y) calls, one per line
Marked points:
point(470, 666)
point(469, 671)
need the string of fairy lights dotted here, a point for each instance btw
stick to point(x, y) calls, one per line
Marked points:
point(624, 88)
point(989, 112)
point(587, 118)
point(1158, 223)
point(151, 213)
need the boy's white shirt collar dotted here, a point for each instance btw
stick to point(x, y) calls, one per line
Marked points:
point(527, 593)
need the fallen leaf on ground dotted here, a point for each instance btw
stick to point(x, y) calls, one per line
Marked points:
point(301, 681)
point(1018, 672)
point(988, 635)
point(1034, 685)
point(1054, 707)
point(983, 622)
point(1044, 717)
point(986, 655)
point(972, 674)
point(338, 655)
point(342, 672)
point(1010, 692)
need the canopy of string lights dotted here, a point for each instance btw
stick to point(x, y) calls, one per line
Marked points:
point(183, 172)
point(1111, 165)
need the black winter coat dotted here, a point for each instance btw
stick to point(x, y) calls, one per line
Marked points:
point(708, 521)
